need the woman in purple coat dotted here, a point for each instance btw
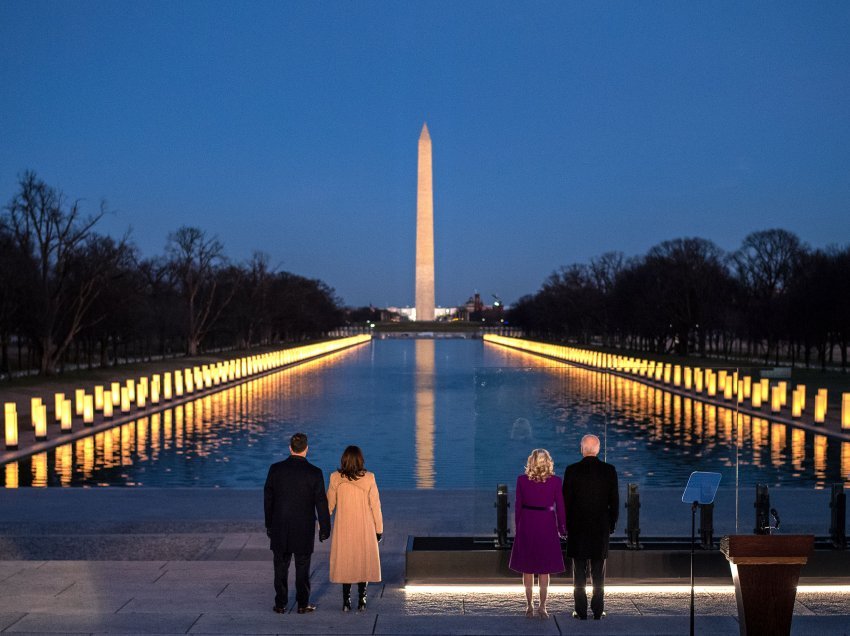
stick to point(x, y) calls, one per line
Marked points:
point(540, 522)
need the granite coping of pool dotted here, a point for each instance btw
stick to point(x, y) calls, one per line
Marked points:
point(409, 512)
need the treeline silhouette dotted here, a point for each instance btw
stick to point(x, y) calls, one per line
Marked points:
point(774, 299)
point(70, 296)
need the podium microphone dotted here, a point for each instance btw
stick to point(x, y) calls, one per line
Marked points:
point(775, 516)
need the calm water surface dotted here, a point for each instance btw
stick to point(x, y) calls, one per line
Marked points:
point(437, 414)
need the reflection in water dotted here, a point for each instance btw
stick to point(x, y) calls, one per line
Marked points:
point(39, 470)
point(102, 458)
point(798, 448)
point(845, 458)
point(777, 444)
point(820, 456)
point(641, 419)
point(12, 475)
point(424, 353)
point(521, 429)
point(229, 438)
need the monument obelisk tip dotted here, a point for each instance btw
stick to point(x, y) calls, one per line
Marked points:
point(424, 134)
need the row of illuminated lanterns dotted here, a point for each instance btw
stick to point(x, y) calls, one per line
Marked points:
point(732, 386)
point(139, 393)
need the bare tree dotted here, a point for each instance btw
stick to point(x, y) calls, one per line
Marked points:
point(255, 313)
point(16, 281)
point(692, 278)
point(766, 264)
point(53, 232)
point(604, 270)
point(195, 262)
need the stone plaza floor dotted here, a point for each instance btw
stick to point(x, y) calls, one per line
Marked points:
point(132, 561)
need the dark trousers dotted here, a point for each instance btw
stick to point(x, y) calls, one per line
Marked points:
point(302, 578)
point(597, 573)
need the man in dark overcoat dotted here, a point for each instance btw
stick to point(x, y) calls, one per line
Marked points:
point(592, 502)
point(294, 497)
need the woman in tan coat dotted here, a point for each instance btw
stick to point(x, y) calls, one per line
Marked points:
point(357, 528)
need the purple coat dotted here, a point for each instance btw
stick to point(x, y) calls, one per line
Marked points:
point(539, 516)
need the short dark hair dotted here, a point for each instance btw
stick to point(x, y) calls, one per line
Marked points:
point(351, 463)
point(298, 443)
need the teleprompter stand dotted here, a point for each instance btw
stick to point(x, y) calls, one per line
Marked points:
point(700, 491)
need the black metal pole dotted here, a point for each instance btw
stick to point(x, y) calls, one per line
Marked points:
point(693, 544)
point(502, 506)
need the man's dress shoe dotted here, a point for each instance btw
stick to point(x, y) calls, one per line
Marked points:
point(306, 609)
point(279, 610)
point(579, 616)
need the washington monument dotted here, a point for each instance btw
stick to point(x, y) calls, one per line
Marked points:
point(425, 231)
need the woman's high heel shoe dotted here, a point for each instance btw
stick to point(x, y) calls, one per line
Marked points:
point(361, 600)
point(346, 598)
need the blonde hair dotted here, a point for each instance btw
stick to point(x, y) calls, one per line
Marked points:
point(539, 466)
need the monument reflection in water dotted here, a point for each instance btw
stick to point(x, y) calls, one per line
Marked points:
point(438, 414)
point(425, 400)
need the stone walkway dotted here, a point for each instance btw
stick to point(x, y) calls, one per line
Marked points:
point(197, 561)
point(234, 597)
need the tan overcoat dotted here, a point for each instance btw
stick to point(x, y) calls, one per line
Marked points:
point(354, 546)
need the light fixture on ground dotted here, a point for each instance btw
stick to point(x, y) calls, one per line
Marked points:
point(775, 400)
point(78, 401)
point(11, 424)
point(107, 404)
point(40, 423)
point(125, 399)
point(820, 406)
point(35, 410)
point(797, 401)
point(67, 414)
point(88, 410)
point(58, 400)
point(845, 411)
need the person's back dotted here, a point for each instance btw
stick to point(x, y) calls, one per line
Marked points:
point(358, 514)
point(592, 502)
point(539, 520)
point(292, 488)
point(592, 507)
point(293, 499)
point(358, 527)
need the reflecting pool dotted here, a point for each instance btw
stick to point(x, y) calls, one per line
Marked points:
point(437, 414)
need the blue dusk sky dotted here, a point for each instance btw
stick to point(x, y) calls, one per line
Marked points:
point(560, 130)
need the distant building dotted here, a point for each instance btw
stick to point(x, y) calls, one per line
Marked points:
point(475, 310)
point(409, 313)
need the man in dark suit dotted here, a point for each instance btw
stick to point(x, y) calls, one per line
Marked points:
point(294, 498)
point(592, 503)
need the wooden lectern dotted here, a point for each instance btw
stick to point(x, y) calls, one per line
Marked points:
point(766, 569)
